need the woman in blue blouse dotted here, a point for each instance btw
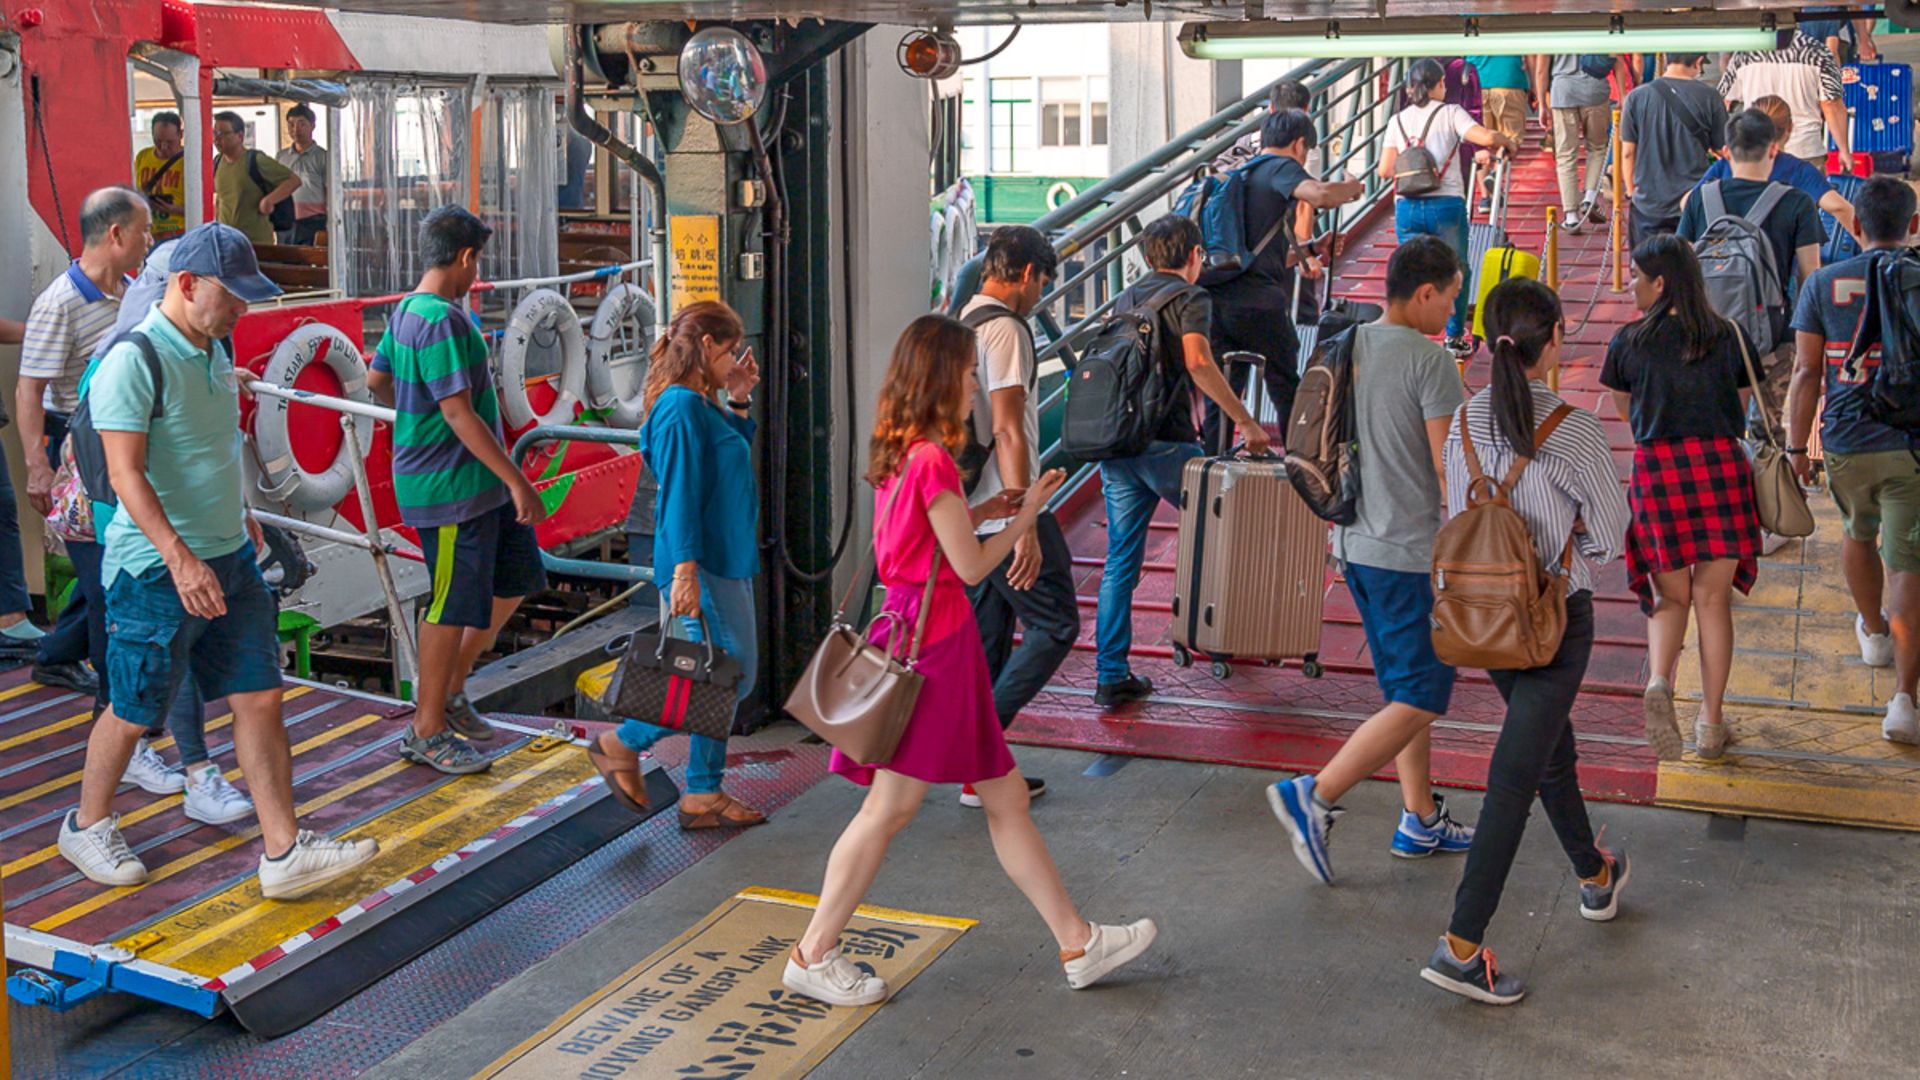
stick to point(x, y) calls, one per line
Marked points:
point(698, 440)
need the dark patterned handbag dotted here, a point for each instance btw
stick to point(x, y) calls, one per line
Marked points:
point(678, 684)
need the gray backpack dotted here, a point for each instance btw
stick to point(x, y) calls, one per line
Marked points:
point(1736, 259)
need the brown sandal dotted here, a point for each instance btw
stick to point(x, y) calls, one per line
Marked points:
point(619, 775)
point(726, 812)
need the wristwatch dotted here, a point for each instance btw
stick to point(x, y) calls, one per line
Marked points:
point(747, 404)
point(1796, 451)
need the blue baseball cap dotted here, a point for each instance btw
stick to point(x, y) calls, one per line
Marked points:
point(223, 252)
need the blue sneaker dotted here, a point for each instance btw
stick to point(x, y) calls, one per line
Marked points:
point(1415, 840)
point(1308, 824)
point(1479, 977)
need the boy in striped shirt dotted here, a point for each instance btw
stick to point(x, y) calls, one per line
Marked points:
point(456, 486)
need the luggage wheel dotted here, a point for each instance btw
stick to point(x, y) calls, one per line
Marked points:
point(1311, 668)
point(1221, 669)
point(1181, 657)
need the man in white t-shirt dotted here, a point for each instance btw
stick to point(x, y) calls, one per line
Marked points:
point(1035, 584)
point(1805, 75)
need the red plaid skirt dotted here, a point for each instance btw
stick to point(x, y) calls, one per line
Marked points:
point(1692, 503)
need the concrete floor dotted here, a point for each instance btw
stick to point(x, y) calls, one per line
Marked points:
point(1745, 948)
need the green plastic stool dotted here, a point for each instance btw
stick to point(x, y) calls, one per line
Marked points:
point(61, 579)
point(298, 627)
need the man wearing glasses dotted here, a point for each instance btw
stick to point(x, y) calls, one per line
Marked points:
point(247, 184)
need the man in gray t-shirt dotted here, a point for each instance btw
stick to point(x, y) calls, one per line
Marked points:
point(1405, 389)
point(1671, 129)
point(1581, 114)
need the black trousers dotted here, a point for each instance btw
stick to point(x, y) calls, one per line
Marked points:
point(1640, 226)
point(1049, 612)
point(1534, 755)
point(1266, 330)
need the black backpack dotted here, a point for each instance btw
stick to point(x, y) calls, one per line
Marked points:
point(89, 454)
point(1119, 391)
point(281, 218)
point(1891, 320)
point(974, 455)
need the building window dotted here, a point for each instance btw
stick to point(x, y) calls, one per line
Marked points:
point(1010, 114)
point(1060, 112)
point(1097, 111)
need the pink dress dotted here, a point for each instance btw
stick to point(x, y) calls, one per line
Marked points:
point(954, 736)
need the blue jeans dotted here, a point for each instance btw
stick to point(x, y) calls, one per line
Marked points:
point(13, 571)
point(1444, 216)
point(1134, 487)
point(728, 605)
point(154, 645)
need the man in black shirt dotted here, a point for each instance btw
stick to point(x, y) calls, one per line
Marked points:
point(1134, 486)
point(1793, 231)
point(1253, 312)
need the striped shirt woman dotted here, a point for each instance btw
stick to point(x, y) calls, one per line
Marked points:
point(1570, 489)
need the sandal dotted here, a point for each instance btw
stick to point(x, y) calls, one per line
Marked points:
point(619, 774)
point(726, 812)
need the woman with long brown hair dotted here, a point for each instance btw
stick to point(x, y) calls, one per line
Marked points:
point(922, 528)
point(706, 513)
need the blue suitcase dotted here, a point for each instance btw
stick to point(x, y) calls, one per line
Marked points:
point(1879, 97)
point(1840, 243)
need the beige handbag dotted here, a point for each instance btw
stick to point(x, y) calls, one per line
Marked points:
point(1777, 493)
point(857, 695)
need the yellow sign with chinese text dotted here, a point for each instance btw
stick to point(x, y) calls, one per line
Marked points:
point(696, 259)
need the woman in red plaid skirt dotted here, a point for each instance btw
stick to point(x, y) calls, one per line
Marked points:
point(1695, 535)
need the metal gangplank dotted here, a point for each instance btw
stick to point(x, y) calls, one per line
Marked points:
point(197, 934)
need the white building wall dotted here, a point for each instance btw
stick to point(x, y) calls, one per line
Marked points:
point(1010, 128)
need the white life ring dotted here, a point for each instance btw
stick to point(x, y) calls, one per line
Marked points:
point(542, 311)
point(1060, 194)
point(616, 358)
point(282, 479)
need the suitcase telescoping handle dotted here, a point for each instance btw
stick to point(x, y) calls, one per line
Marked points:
point(1258, 383)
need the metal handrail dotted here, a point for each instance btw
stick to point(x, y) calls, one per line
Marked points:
point(546, 433)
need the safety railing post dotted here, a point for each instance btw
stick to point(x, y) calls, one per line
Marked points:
point(1553, 248)
point(407, 657)
point(1618, 232)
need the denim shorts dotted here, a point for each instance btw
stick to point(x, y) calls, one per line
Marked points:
point(1396, 611)
point(152, 643)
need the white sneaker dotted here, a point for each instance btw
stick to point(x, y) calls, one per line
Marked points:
point(1876, 650)
point(100, 852)
point(150, 772)
point(313, 861)
point(212, 799)
point(835, 980)
point(1771, 542)
point(1900, 725)
point(1663, 730)
point(1107, 950)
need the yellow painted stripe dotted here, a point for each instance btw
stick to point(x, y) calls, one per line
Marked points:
point(189, 861)
point(1887, 806)
point(168, 802)
point(869, 911)
point(50, 729)
point(24, 688)
point(445, 539)
point(252, 925)
point(72, 778)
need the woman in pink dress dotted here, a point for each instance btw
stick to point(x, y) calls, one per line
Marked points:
point(954, 735)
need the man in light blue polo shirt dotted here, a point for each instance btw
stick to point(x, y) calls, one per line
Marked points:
point(184, 593)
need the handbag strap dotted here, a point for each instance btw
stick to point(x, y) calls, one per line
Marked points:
point(933, 574)
point(1753, 380)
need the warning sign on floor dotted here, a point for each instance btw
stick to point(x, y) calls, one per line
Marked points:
point(710, 1003)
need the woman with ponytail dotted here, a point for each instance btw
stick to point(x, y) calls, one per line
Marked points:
point(1680, 374)
point(923, 529)
point(1568, 490)
point(697, 439)
point(1443, 129)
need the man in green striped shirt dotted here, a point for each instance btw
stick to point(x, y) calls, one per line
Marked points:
point(456, 487)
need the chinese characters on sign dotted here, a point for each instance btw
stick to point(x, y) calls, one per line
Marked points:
point(696, 259)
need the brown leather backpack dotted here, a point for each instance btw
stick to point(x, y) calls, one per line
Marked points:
point(1494, 606)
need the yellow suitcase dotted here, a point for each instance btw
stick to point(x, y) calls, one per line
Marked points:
point(1498, 265)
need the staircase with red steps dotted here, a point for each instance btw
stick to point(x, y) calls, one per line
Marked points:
point(1274, 716)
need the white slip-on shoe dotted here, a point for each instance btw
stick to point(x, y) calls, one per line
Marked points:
point(1663, 729)
point(149, 772)
point(835, 980)
point(213, 800)
point(1107, 950)
point(311, 862)
point(1901, 725)
point(100, 852)
point(1876, 650)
